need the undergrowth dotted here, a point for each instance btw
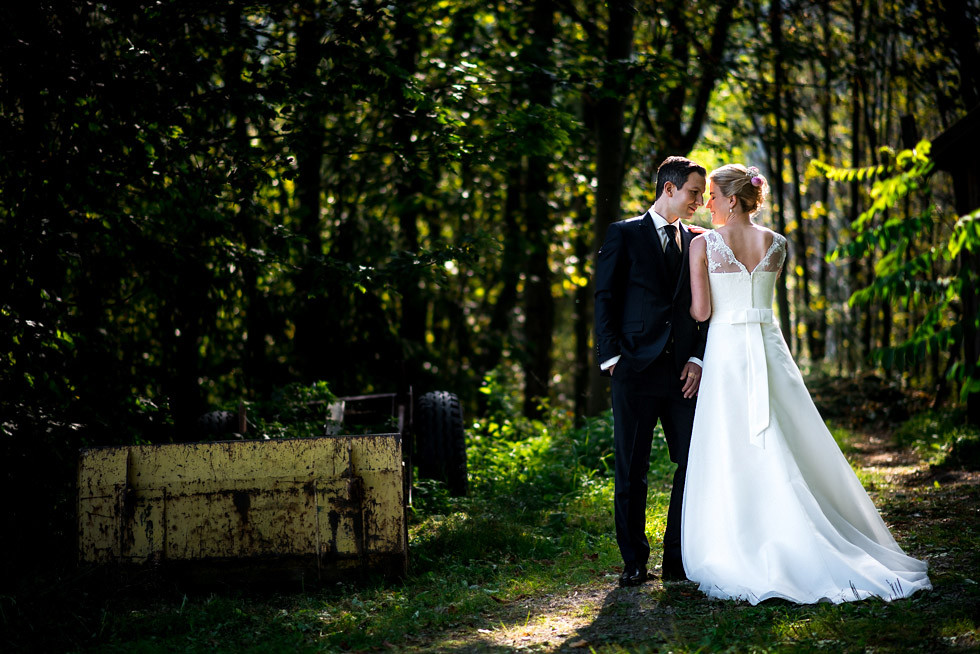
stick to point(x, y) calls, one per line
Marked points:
point(537, 523)
point(942, 438)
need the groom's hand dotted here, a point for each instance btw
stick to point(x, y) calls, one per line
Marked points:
point(691, 376)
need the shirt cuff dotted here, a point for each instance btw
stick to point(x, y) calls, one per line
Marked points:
point(609, 363)
point(697, 361)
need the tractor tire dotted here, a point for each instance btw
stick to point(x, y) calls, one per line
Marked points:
point(217, 423)
point(440, 441)
point(223, 423)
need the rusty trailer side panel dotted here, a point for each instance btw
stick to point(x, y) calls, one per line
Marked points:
point(331, 505)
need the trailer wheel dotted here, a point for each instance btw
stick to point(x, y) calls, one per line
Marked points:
point(217, 423)
point(221, 423)
point(440, 441)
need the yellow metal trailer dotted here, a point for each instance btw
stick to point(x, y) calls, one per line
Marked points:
point(318, 508)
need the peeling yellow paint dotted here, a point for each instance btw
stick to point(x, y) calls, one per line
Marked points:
point(335, 501)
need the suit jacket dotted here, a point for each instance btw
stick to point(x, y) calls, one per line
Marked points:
point(636, 311)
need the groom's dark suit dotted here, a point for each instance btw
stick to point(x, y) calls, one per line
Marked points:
point(642, 313)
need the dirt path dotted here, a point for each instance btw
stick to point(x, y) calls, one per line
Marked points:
point(908, 494)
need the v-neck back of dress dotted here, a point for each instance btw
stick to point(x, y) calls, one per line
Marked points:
point(721, 257)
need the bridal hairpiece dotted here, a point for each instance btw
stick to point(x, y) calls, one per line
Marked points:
point(756, 176)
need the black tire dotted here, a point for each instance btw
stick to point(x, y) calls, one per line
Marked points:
point(440, 441)
point(217, 423)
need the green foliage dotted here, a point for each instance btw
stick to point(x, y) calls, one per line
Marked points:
point(535, 131)
point(942, 438)
point(966, 235)
point(845, 438)
point(551, 457)
point(294, 411)
point(876, 226)
point(508, 451)
point(916, 269)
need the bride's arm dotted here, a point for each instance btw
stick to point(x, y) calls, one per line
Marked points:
point(700, 293)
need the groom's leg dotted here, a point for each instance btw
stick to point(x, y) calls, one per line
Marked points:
point(677, 419)
point(633, 422)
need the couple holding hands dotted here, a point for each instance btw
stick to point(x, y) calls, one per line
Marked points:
point(763, 504)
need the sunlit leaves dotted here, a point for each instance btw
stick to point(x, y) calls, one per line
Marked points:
point(904, 176)
point(966, 235)
point(914, 270)
point(534, 130)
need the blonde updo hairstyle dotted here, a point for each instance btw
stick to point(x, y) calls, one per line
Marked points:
point(747, 185)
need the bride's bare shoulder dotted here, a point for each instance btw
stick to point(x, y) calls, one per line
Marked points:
point(699, 244)
point(768, 234)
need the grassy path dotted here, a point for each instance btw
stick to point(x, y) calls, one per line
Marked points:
point(934, 515)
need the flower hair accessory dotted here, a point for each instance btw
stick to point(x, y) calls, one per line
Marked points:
point(756, 176)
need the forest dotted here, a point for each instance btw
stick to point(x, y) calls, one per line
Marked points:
point(205, 203)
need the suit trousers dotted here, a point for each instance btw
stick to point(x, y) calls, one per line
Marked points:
point(640, 399)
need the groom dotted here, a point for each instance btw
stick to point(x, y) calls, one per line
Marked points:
point(648, 342)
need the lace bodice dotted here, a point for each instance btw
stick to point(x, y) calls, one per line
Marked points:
point(721, 259)
point(733, 287)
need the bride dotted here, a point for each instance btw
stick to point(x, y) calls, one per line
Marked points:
point(771, 507)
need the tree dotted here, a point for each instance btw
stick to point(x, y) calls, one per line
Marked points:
point(936, 278)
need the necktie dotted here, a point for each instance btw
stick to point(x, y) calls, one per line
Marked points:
point(672, 255)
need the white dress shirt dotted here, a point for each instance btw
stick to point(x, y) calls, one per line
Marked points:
point(660, 222)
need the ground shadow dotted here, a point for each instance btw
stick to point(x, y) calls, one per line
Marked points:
point(639, 618)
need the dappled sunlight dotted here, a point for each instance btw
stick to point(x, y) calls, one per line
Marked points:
point(594, 616)
point(793, 628)
point(544, 623)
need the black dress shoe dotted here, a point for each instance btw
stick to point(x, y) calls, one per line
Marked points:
point(633, 575)
point(673, 572)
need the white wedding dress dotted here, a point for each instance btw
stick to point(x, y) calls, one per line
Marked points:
point(771, 506)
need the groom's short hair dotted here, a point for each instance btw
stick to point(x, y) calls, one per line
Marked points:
point(676, 170)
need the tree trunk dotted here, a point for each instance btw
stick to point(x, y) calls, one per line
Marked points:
point(610, 113)
point(803, 252)
point(512, 260)
point(675, 139)
point(819, 346)
point(186, 315)
point(410, 190)
point(779, 83)
point(583, 310)
point(539, 305)
point(256, 378)
point(855, 354)
point(963, 30)
point(312, 352)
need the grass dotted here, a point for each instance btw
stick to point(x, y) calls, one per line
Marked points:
point(942, 438)
point(529, 561)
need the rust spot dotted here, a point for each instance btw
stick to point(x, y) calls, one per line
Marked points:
point(243, 501)
point(334, 519)
point(129, 503)
point(358, 525)
point(355, 491)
